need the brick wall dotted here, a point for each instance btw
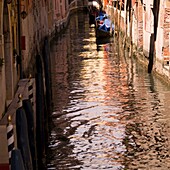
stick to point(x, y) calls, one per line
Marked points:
point(166, 31)
point(140, 25)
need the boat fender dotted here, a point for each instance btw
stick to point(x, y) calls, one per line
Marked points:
point(22, 138)
point(16, 160)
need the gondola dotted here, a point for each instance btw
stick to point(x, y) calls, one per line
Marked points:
point(104, 27)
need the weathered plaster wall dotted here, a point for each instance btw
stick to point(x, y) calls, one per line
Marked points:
point(2, 69)
point(140, 25)
point(166, 32)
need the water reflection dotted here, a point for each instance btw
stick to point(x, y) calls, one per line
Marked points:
point(108, 112)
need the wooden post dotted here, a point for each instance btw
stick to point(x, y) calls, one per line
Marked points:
point(126, 19)
point(137, 26)
point(131, 39)
point(30, 90)
point(120, 11)
point(19, 101)
point(116, 20)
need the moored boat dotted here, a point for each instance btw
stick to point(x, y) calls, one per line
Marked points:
point(104, 27)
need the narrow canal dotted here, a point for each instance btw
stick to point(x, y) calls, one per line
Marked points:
point(108, 113)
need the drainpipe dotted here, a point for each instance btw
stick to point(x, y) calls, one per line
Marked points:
point(19, 38)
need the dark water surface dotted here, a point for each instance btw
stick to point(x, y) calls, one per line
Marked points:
point(108, 112)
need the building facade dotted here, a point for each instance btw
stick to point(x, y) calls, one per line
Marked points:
point(26, 28)
point(23, 27)
point(147, 23)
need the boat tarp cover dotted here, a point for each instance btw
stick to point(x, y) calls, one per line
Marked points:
point(106, 25)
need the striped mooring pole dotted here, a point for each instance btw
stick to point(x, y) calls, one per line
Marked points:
point(19, 101)
point(30, 89)
point(10, 137)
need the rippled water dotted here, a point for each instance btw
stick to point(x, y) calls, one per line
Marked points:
point(108, 112)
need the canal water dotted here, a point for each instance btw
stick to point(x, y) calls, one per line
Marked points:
point(108, 112)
